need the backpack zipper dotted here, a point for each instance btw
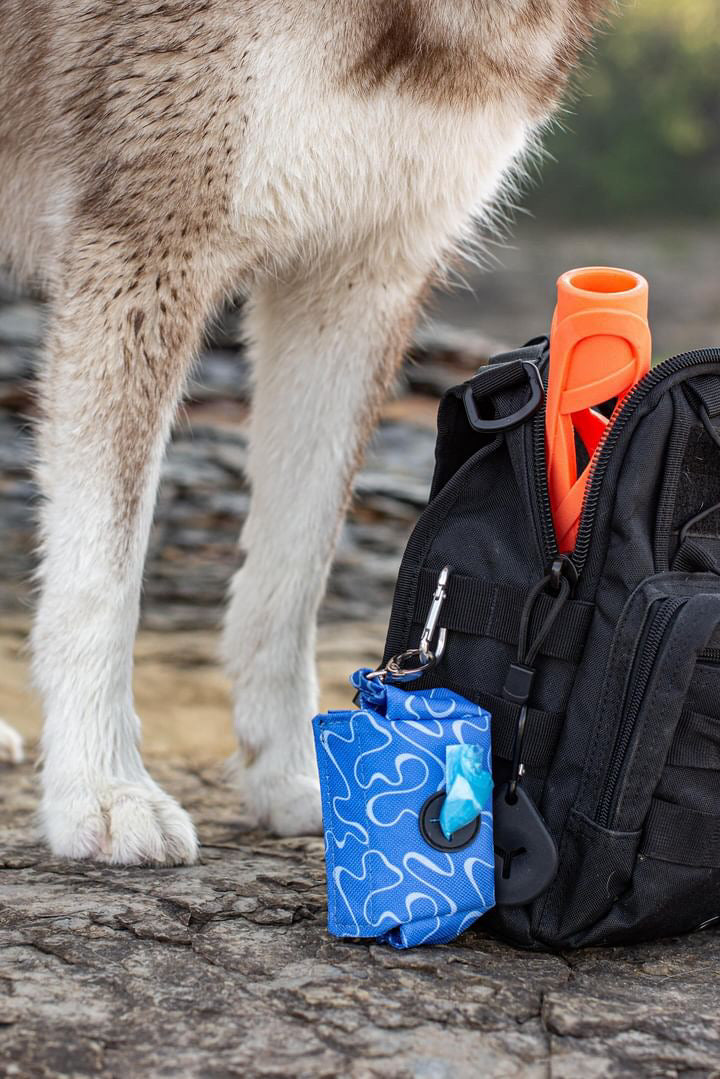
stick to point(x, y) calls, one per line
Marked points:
point(612, 436)
point(659, 623)
point(539, 457)
point(667, 610)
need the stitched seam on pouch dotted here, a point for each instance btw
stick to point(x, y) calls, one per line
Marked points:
point(330, 856)
point(366, 792)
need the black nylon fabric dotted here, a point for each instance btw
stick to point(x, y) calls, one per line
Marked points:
point(622, 744)
point(486, 610)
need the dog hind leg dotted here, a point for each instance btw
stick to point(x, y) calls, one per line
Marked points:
point(324, 351)
point(120, 343)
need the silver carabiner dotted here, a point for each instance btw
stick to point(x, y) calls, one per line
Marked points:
point(433, 618)
point(426, 656)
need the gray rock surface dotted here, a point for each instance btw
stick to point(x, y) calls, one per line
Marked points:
point(204, 496)
point(225, 969)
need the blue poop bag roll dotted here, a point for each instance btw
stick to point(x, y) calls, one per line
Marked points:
point(391, 873)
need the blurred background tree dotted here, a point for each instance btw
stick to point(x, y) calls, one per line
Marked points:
point(642, 142)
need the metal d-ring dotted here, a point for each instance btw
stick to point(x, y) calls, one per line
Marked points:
point(507, 423)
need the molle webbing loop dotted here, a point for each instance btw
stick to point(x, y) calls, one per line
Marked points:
point(484, 609)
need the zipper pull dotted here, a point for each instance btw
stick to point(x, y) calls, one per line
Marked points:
point(518, 684)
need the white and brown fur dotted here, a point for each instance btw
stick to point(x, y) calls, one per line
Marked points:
point(324, 156)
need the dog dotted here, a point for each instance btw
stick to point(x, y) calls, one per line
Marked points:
point(326, 157)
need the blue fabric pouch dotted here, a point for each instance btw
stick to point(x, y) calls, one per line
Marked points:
point(388, 876)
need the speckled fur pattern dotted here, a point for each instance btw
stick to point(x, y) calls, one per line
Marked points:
point(324, 156)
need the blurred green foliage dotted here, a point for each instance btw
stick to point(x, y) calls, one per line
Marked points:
point(642, 138)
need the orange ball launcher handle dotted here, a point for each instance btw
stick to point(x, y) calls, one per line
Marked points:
point(600, 347)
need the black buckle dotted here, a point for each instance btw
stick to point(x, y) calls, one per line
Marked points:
point(508, 423)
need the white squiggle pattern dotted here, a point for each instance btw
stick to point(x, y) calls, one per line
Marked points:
point(359, 765)
point(425, 735)
point(469, 870)
point(363, 876)
point(431, 867)
point(460, 723)
point(384, 880)
point(400, 760)
point(347, 797)
point(448, 709)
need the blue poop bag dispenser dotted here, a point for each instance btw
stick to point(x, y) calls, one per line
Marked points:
point(406, 782)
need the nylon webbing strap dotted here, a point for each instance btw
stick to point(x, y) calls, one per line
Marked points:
point(707, 387)
point(683, 836)
point(541, 733)
point(696, 743)
point(504, 371)
point(492, 379)
point(482, 609)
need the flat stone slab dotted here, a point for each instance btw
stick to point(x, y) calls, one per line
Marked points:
point(225, 969)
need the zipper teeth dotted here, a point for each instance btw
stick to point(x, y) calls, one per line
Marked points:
point(640, 679)
point(539, 459)
point(612, 436)
point(547, 524)
point(709, 655)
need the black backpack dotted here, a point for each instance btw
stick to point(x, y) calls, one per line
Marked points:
point(601, 669)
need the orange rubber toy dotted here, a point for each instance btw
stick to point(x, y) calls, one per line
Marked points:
point(600, 347)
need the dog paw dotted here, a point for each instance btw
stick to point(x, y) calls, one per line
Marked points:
point(119, 823)
point(11, 744)
point(285, 803)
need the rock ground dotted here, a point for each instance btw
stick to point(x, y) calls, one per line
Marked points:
point(225, 969)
